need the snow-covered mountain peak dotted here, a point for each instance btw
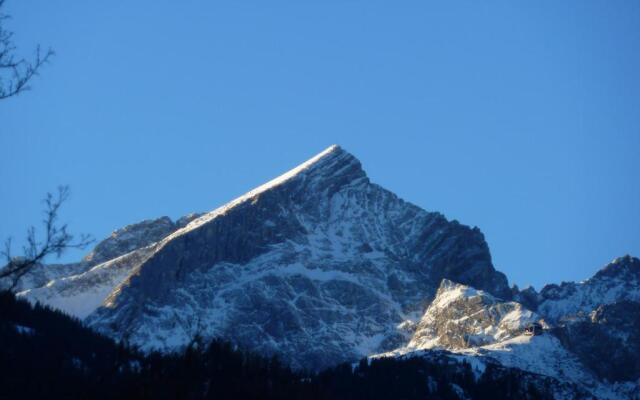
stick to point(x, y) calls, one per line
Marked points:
point(328, 170)
point(463, 317)
point(479, 328)
point(617, 281)
point(450, 291)
point(625, 267)
point(340, 261)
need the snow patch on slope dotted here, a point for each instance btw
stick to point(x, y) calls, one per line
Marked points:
point(79, 295)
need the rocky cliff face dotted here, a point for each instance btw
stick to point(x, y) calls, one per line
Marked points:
point(318, 266)
point(461, 317)
point(608, 342)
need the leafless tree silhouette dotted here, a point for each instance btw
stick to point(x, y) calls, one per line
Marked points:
point(16, 72)
point(55, 241)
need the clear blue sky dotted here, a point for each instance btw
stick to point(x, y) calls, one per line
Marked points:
point(522, 119)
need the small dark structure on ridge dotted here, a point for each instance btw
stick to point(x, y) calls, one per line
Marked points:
point(533, 329)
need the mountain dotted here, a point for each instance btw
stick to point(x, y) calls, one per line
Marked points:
point(619, 280)
point(461, 317)
point(590, 336)
point(320, 266)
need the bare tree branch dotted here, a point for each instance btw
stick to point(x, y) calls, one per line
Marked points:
point(56, 240)
point(16, 73)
